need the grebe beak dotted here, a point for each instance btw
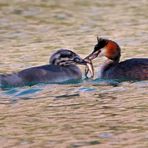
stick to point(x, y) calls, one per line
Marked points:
point(88, 64)
point(89, 67)
point(93, 55)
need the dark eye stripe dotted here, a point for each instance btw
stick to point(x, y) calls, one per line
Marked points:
point(62, 56)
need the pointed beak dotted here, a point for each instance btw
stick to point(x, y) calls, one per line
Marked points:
point(92, 56)
point(88, 64)
point(79, 60)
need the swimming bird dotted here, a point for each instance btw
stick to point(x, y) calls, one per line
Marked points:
point(62, 67)
point(130, 69)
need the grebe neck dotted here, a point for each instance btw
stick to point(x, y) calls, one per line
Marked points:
point(109, 63)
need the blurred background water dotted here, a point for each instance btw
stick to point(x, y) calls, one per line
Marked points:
point(86, 114)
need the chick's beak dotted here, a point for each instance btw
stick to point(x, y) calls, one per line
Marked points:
point(79, 60)
point(88, 64)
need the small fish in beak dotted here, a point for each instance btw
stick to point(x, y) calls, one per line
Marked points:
point(89, 68)
point(87, 63)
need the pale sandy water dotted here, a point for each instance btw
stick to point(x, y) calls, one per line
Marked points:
point(89, 114)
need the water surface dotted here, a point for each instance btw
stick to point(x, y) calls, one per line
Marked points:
point(87, 114)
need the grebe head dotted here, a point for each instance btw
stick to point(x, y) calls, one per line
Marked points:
point(107, 48)
point(64, 57)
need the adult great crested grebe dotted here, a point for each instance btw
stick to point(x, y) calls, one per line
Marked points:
point(62, 68)
point(131, 69)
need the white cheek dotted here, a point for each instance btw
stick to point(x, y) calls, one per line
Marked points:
point(102, 53)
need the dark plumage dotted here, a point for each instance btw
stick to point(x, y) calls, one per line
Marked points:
point(131, 69)
point(62, 67)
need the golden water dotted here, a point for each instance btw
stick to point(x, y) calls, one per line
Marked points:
point(89, 114)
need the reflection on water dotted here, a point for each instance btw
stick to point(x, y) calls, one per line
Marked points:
point(89, 113)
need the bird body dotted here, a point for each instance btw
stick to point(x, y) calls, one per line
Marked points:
point(42, 74)
point(62, 67)
point(131, 69)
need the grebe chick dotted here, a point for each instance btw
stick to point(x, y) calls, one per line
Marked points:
point(62, 67)
point(131, 69)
